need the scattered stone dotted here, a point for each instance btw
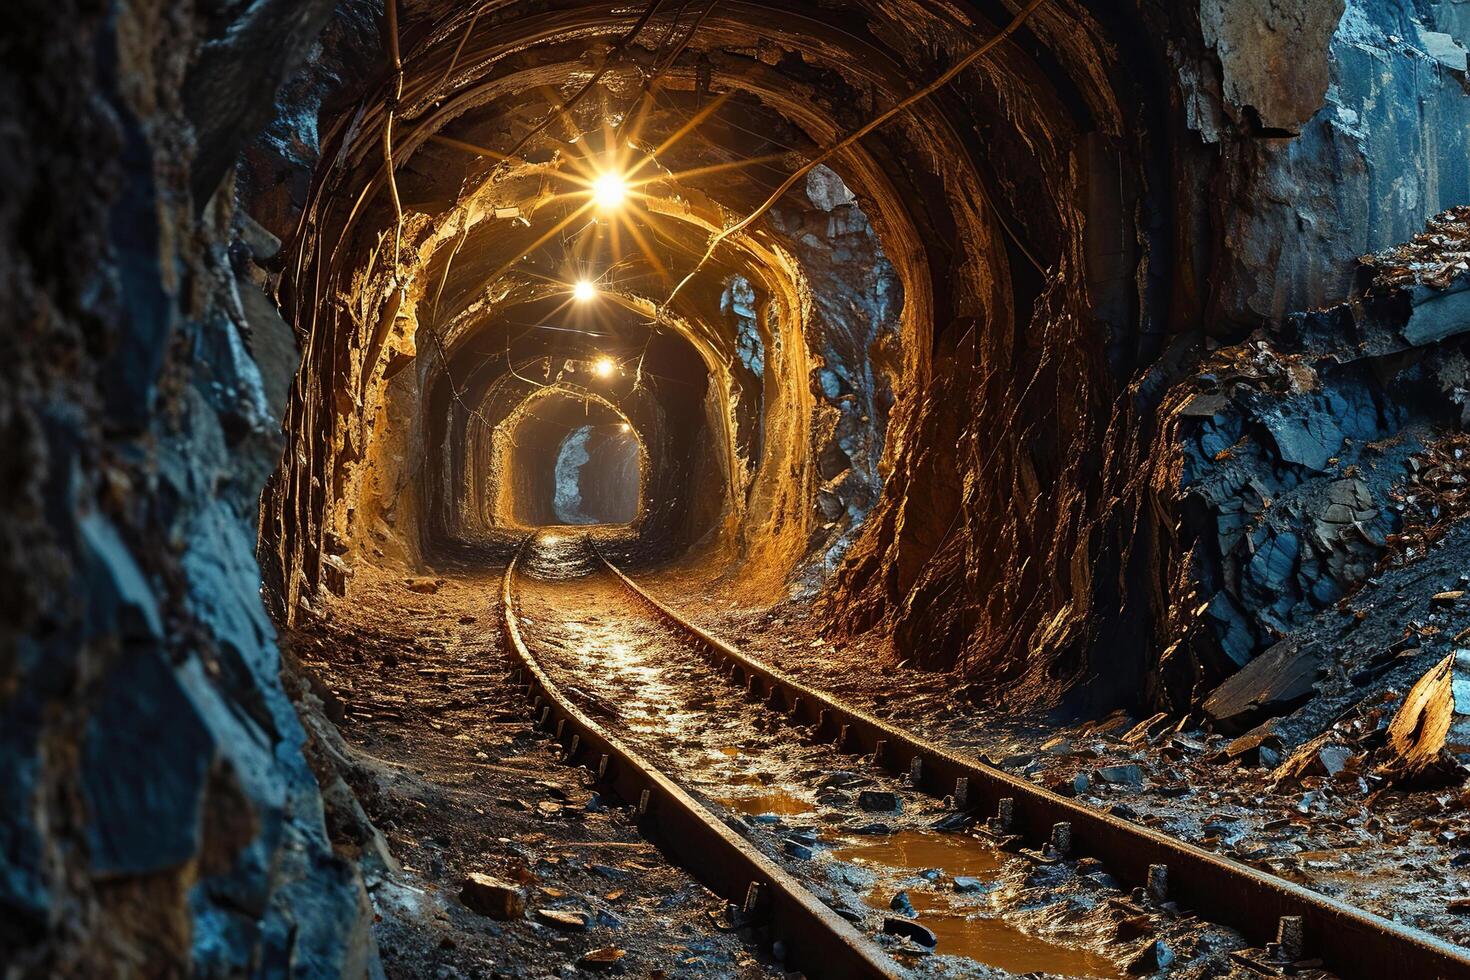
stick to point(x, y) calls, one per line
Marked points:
point(965, 885)
point(606, 959)
point(951, 822)
point(798, 850)
point(1261, 745)
point(1279, 680)
point(1188, 744)
point(563, 919)
point(900, 903)
point(611, 873)
point(1435, 716)
point(1147, 730)
point(492, 897)
point(1127, 775)
point(909, 929)
point(424, 586)
point(875, 801)
point(1150, 959)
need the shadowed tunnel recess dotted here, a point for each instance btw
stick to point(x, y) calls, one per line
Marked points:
point(566, 221)
point(1017, 367)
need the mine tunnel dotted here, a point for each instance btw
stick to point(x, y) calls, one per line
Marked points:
point(735, 488)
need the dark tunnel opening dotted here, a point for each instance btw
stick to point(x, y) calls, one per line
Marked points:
point(1081, 384)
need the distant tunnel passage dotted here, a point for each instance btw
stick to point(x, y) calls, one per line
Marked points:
point(598, 476)
point(566, 460)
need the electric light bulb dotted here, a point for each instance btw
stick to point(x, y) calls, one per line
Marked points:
point(609, 190)
point(583, 290)
point(605, 366)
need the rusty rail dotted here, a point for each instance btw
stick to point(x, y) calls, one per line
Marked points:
point(1348, 941)
point(816, 940)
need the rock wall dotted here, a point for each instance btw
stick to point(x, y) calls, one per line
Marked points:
point(1289, 455)
point(1341, 127)
point(159, 816)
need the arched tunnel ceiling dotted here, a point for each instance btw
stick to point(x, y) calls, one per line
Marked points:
point(452, 212)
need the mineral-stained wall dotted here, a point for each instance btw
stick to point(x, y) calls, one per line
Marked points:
point(157, 815)
point(1147, 423)
point(1090, 534)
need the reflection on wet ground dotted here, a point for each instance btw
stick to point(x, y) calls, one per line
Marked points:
point(954, 855)
point(741, 756)
point(946, 878)
point(777, 801)
point(994, 942)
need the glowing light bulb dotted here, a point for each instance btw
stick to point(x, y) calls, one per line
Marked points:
point(583, 290)
point(609, 190)
point(605, 366)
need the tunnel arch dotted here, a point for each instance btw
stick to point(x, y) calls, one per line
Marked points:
point(1032, 286)
point(506, 500)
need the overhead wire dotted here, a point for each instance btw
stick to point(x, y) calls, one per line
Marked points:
point(903, 105)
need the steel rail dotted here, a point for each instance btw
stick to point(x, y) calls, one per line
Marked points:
point(1352, 943)
point(815, 939)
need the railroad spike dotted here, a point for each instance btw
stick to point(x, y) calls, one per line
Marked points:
point(1005, 815)
point(561, 726)
point(644, 798)
point(754, 892)
point(1291, 939)
point(916, 771)
point(602, 761)
point(1061, 838)
point(879, 747)
point(1158, 882)
point(842, 738)
point(962, 793)
point(545, 714)
point(572, 749)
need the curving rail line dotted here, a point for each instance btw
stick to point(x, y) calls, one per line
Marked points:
point(802, 932)
point(1293, 926)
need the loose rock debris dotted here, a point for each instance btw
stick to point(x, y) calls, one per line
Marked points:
point(1433, 257)
point(1312, 810)
point(498, 854)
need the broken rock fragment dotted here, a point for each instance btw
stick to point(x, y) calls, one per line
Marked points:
point(493, 897)
point(561, 919)
point(1435, 717)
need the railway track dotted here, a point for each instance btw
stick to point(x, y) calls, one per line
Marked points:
point(1292, 929)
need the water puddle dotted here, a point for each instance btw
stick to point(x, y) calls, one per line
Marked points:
point(955, 917)
point(998, 944)
point(776, 801)
point(915, 850)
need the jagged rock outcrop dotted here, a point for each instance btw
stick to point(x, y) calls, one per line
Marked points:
point(159, 817)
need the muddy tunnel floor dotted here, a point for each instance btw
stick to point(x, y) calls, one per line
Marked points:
point(450, 771)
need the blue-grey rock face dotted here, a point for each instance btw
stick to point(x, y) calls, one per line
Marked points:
point(567, 498)
point(858, 300)
point(1292, 455)
point(157, 814)
point(1387, 145)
